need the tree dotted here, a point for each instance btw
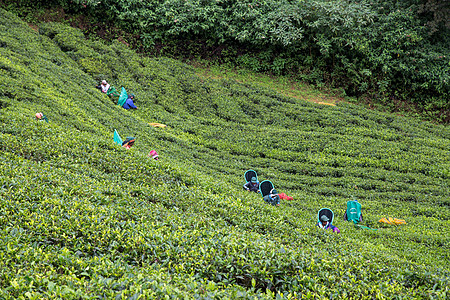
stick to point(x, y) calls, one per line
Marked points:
point(439, 14)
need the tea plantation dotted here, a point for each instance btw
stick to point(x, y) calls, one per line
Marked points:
point(82, 218)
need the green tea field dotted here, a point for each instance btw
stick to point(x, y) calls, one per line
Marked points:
point(83, 218)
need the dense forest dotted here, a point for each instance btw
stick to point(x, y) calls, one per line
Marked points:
point(393, 54)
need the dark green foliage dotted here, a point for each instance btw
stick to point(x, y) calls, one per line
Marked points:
point(436, 13)
point(380, 50)
point(81, 218)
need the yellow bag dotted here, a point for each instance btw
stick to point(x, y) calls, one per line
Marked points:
point(392, 221)
point(157, 125)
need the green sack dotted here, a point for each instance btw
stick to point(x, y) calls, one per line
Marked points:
point(123, 97)
point(353, 213)
point(112, 92)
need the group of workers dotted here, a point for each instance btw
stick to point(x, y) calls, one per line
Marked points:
point(105, 87)
point(273, 198)
point(253, 186)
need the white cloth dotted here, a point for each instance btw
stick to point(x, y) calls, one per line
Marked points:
point(321, 226)
point(105, 88)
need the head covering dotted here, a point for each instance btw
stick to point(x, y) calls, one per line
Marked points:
point(104, 82)
point(39, 115)
point(132, 96)
point(153, 154)
point(254, 180)
point(274, 191)
point(324, 218)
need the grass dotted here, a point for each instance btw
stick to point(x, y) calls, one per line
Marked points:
point(282, 84)
point(82, 218)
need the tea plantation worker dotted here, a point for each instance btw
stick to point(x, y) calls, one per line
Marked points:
point(40, 117)
point(324, 223)
point(128, 143)
point(104, 86)
point(154, 155)
point(272, 198)
point(252, 185)
point(129, 104)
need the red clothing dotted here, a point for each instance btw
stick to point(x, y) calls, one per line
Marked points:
point(285, 197)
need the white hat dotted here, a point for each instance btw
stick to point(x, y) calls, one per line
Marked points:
point(104, 82)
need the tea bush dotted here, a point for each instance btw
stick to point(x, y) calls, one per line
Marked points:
point(81, 217)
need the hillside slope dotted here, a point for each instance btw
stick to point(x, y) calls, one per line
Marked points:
point(81, 218)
